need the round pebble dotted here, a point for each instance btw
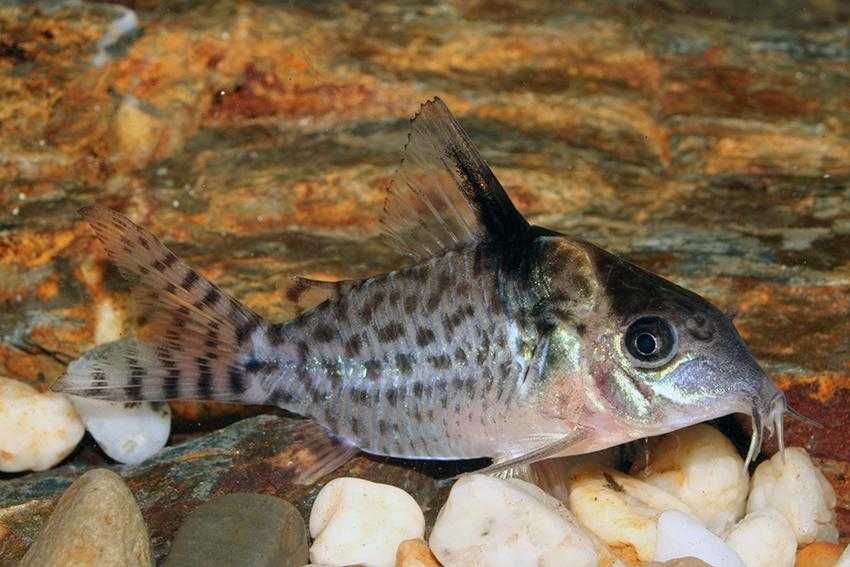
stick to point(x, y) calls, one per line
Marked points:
point(129, 432)
point(96, 522)
point(822, 554)
point(701, 467)
point(799, 491)
point(241, 529)
point(415, 553)
point(357, 521)
point(38, 430)
point(680, 536)
point(504, 523)
point(620, 509)
point(764, 539)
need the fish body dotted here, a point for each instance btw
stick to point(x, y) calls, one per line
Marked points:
point(498, 339)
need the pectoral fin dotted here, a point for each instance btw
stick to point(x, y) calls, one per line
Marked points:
point(510, 466)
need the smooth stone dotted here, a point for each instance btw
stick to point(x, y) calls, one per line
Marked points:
point(129, 432)
point(241, 529)
point(821, 554)
point(764, 539)
point(620, 509)
point(680, 535)
point(415, 553)
point(701, 467)
point(38, 430)
point(509, 523)
point(799, 491)
point(96, 522)
point(358, 521)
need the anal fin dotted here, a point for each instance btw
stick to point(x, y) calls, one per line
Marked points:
point(318, 453)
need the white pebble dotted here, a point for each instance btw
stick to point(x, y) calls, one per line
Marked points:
point(680, 535)
point(128, 432)
point(844, 560)
point(506, 523)
point(799, 491)
point(357, 521)
point(620, 509)
point(701, 467)
point(38, 430)
point(764, 539)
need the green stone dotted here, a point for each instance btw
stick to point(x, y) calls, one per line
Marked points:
point(241, 529)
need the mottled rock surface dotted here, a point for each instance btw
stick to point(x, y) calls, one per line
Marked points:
point(249, 456)
point(709, 141)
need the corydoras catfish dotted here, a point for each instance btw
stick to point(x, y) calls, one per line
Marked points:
point(498, 339)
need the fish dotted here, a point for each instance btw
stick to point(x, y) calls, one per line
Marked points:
point(494, 338)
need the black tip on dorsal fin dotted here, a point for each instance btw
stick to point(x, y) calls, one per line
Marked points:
point(444, 195)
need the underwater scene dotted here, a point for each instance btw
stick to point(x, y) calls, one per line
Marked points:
point(423, 284)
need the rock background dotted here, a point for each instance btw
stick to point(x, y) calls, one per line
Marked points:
point(708, 141)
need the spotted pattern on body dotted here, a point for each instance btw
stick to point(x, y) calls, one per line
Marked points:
point(414, 361)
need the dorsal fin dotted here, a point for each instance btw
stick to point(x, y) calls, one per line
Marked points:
point(302, 293)
point(444, 194)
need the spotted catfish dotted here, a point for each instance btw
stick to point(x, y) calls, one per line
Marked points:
point(499, 339)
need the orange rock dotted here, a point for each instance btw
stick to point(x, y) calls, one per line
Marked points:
point(48, 289)
point(819, 554)
point(627, 554)
point(34, 248)
point(415, 553)
point(681, 562)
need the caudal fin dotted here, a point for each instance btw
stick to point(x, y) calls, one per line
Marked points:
point(200, 345)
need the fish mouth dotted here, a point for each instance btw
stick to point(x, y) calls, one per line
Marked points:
point(771, 416)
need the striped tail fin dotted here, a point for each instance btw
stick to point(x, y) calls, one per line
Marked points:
point(201, 338)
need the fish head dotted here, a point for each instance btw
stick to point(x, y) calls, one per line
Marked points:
point(657, 357)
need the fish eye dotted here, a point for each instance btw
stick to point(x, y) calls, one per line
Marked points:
point(650, 341)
